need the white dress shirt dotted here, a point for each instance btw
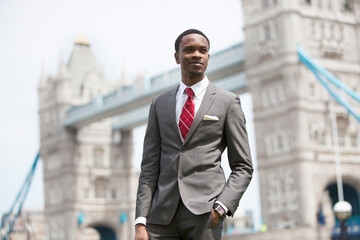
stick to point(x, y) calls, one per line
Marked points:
point(199, 90)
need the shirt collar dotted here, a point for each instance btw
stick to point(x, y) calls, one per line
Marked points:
point(197, 88)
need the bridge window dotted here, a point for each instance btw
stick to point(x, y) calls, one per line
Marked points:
point(280, 141)
point(101, 188)
point(113, 194)
point(312, 90)
point(53, 162)
point(56, 226)
point(265, 3)
point(116, 160)
point(313, 28)
point(267, 32)
point(58, 195)
point(348, 5)
point(272, 94)
point(341, 136)
point(86, 193)
point(342, 123)
point(265, 98)
point(354, 140)
point(99, 157)
point(322, 138)
point(319, 3)
point(322, 30)
point(330, 4)
point(282, 193)
point(78, 159)
point(332, 34)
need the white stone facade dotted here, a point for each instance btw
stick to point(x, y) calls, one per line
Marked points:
point(292, 109)
point(87, 170)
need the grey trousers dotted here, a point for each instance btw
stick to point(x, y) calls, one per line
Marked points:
point(186, 226)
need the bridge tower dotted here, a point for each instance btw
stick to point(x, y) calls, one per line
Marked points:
point(292, 111)
point(87, 170)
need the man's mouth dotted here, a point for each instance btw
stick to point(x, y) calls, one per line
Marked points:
point(196, 63)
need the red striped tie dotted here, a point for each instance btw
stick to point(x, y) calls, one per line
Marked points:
point(187, 113)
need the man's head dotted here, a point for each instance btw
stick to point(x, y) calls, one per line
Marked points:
point(189, 31)
point(192, 53)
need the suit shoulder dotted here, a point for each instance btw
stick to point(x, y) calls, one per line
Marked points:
point(165, 96)
point(225, 94)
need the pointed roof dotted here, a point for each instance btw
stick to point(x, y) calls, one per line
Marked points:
point(63, 72)
point(81, 39)
point(43, 76)
point(82, 61)
point(124, 79)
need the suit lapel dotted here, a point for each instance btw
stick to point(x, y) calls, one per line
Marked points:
point(207, 101)
point(172, 111)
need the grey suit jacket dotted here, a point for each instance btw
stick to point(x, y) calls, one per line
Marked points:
point(190, 169)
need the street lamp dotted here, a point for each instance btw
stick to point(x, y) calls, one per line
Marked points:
point(342, 211)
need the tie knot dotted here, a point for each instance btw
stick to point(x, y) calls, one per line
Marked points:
point(189, 92)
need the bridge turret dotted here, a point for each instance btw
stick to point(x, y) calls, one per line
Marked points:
point(289, 103)
point(140, 83)
point(43, 78)
point(87, 79)
point(82, 171)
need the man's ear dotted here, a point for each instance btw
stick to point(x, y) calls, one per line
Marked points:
point(176, 55)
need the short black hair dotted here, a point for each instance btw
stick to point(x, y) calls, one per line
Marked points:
point(189, 31)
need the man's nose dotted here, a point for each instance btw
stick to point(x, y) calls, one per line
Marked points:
point(197, 54)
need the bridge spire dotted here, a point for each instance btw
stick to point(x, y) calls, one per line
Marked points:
point(63, 71)
point(83, 40)
point(43, 76)
point(124, 78)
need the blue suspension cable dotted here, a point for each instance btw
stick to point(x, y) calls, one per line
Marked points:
point(19, 200)
point(317, 70)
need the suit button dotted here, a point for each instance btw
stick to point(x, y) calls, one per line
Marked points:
point(181, 177)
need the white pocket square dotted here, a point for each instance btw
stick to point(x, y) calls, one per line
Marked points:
point(210, 118)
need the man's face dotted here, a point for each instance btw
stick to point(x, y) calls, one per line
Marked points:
point(193, 55)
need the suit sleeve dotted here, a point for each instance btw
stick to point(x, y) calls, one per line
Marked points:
point(149, 165)
point(238, 155)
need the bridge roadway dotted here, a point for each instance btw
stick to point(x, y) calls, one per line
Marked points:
point(130, 105)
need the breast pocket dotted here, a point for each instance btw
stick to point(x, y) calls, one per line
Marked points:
point(208, 131)
point(211, 127)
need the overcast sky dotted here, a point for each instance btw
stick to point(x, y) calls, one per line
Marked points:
point(137, 34)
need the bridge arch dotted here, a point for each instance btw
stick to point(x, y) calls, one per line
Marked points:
point(106, 232)
point(351, 191)
point(351, 195)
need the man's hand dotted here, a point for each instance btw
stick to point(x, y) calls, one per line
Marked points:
point(215, 217)
point(140, 232)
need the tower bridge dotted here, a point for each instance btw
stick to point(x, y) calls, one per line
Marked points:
point(86, 126)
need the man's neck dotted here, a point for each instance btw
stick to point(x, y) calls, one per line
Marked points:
point(189, 81)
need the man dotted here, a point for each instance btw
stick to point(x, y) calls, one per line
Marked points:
point(182, 190)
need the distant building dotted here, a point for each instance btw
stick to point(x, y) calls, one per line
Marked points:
point(30, 225)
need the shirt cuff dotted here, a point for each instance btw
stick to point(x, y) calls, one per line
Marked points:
point(140, 220)
point(223, 206)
